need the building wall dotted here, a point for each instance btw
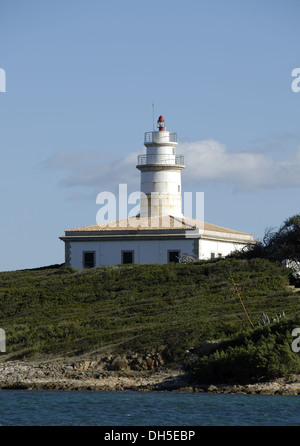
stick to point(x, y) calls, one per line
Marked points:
point(145, 251)
point(214, 248)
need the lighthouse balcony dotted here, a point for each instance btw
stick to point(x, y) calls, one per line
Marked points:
point(160, 138)
point(148, 160)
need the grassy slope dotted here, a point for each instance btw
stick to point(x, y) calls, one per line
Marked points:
point(137, 308)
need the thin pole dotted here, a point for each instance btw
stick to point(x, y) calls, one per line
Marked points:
point(153, 114)
point(241, 300)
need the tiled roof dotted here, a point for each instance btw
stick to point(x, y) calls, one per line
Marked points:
point(138, 224)
point(154, 224)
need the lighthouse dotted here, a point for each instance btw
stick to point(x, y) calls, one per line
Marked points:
point(173, 236)
point(160, 171)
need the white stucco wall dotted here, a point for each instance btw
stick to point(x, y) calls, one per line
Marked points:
point(218, 248)
point(145, 251)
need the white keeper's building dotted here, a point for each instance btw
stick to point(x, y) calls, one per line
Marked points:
point(160, 233)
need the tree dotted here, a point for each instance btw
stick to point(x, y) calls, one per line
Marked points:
point(282, 246)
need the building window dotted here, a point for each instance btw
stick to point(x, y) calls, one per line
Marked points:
point(89, 259)
point(212, 255)
point(173, 256)
point(127, 257)
point(178, 187)
point(220, 255)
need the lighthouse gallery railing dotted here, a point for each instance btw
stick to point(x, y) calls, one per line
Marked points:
point(149, 137)
point(160, 159)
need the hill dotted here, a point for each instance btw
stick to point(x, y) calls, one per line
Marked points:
point(60, 311)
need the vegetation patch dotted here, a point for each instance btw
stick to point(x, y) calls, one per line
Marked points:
point(170, 309)
point(256, 355)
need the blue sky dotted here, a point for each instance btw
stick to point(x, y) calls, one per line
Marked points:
point(80, 81)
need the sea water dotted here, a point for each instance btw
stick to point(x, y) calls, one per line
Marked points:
point(129, 408)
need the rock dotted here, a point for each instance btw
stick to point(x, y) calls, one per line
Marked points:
point(187, 389)
point(84, 365)
point(133, 371)
point(118, 364)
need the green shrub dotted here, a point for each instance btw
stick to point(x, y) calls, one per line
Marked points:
point(261, 355)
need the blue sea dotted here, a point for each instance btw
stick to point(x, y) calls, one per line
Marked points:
point(92, 408)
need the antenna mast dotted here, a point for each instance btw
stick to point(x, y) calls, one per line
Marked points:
point(153, 114)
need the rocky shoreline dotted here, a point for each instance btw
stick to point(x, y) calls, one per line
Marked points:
point(120, 373)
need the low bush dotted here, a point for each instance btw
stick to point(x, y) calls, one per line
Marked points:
point(261, 354)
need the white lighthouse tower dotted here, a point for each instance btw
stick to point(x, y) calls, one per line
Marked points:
point(160, 174)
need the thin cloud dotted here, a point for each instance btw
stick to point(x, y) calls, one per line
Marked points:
point(207, 162)
point(210, 161)
point(96, 170)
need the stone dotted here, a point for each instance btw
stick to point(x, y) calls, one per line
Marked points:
point(212, 388)
point(119, 364)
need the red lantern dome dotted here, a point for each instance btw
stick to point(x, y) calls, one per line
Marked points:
point(161, 123)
